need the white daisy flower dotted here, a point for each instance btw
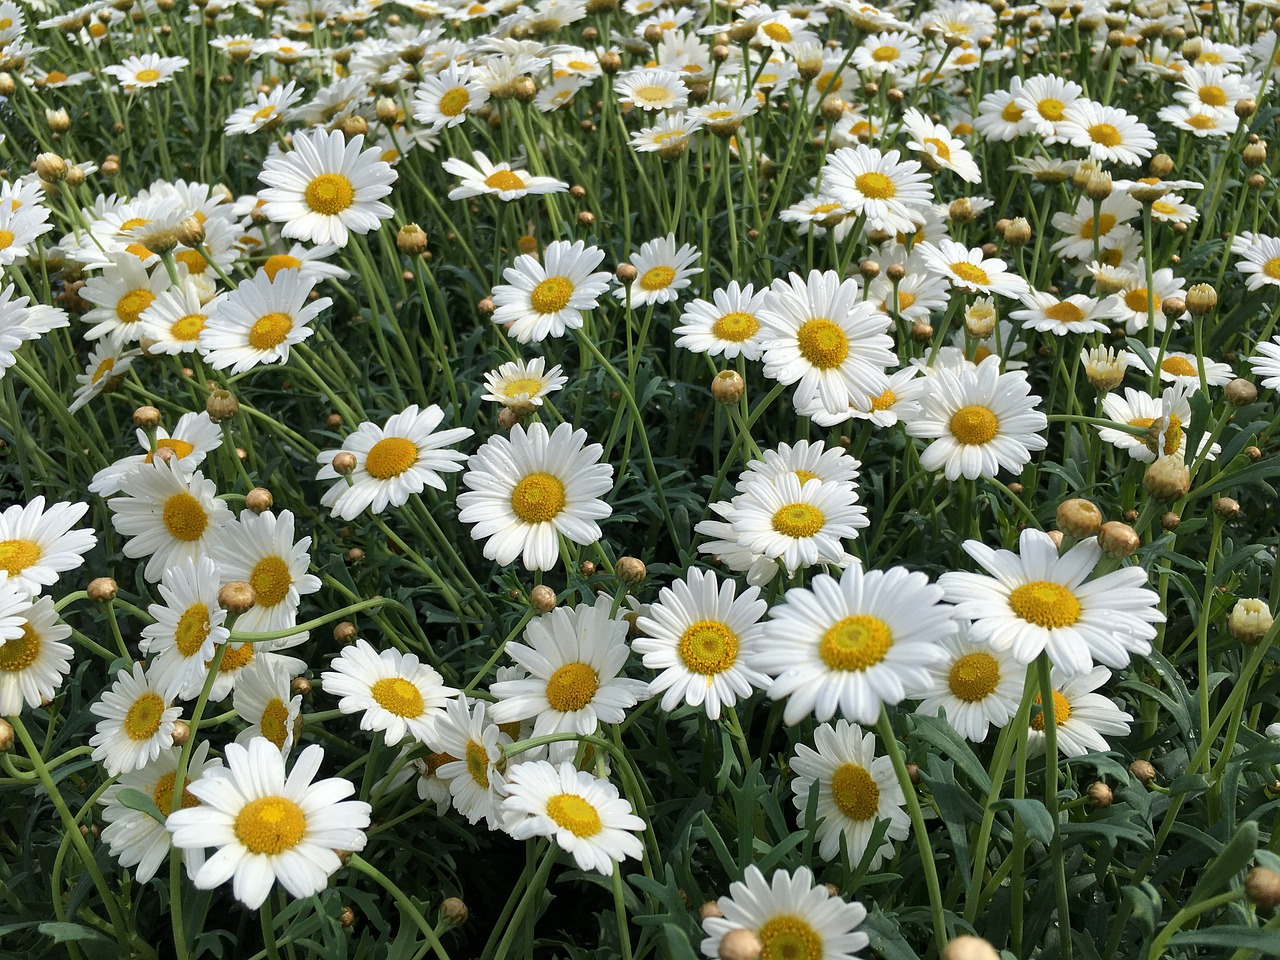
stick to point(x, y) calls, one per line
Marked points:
point(545, 299)
point(1266, 363)
point(855, 643)
point(33, 657)
point(891, 195)
point(728, 327)
point(525, 491)
point(499, 180)
point(137, 722)
point(326, 188)
point(980, 421)
point(262, 699)
point(311, 262)
point(939, 148)
point(791, 914)
point(1109, 134)
point(1080, 716)
point(174, 321)
point(1201, 122)
point(1048, 313)
point(393, 462)
point(269, 111)
point(259, 321)
point(651, 89)
point(19, 231)
point(977, 685)
point(726, 549)
point(1000, 117)
point(394, 692)
point(108, 362)
point(919, 295)
point(522, 384)
point(1184, 368)
point(1261, 264)
point(704, 641)
point(449, 97)
point(970, 269)
point(805, 461)
point(892, 53)
point(1135, 306)
point(662, 272)
point(259, 549)
point(145, 72)
point(1043, 101)
point(188, 626)
point(856, 790)
point(37, 545)
point(801, 524)
point(1172, 208)
point(1137, 408)
point(669, 137)
point(169, 517)
point(899, 403)
point(474, 745)
point(120, 294)
point(194, 437)
point(266, 827)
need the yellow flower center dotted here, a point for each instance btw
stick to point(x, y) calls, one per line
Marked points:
point(1172, 435)
point(1179, 367)
point(280, 261)
point(330, 194)
point(855, 792)
point(572, 687)
point(275, 722)
point(180, 448)
point(1064, 312)
point(941, 147)
point(1105, 134)
point(776, 32)
point(551, 295)
point(477, 759)
point(788, 937)
point(139, 251)
point(855, 643)
point(55, 76)
point(1136, 300)
point(571, 812)
point(103, 369)
point(652, 94)
point(147, 76)
point(237, 657)
point(131, 305)
point(523, 387)
point(805, 476)
point(270, 825)
point(1051, 109)
point(503, 180)
point(6, 239)
point(188, 327)
point(17, 555)
point(1164, 207)
point(1061, 711)
point(1213, 96)
point(184, 517)
point(192, 630)
point(1046, 604)
point(271, 580)
point(974, 425)
point(21, 652)
point(798, 520)
point(263, 113)
point(1011, 113)
point(1272, 268)
point(538, 498)
point(143, 718)
point(970, 272)
point(822, 343)
point(884, 54)
point(390, 457)
point(875, 186)
point(708, 647)
point(884, 401)
point(1202, 121)
point(162, 795)
point(736, 327)
point(657, 278)
point(270, 330)
point(974, 677)
point(397, 695)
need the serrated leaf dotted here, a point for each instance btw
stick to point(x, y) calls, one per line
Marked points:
point(1035, 818)
point(143, 803)
point(63, 932)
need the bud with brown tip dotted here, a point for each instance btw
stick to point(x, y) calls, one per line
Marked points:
point(344, 631)
point(1255, 154)
point(1173, 307)
point(542, 598)
point(626, 273)
point(1240, 392)
point(347, 917)
point(727, 386)
point(6, 735)
point(708, 910)
point(1167, 479)
point(146, 418)
point(740, 944)
point(1017, 232)
point(411, 240)
point(300, 686)
point(1161, 165)
point(1118, 539)
point(969, 948)
point(221, 405)
point(344, 463)
point(102, 589)
point(1100, 795)
point(59, 121)
point(181, 732)
point(51, 167)
point(1201, 299)
point(1142, 771)
point(237, 597)
point(259, 500)
point(1170, 521)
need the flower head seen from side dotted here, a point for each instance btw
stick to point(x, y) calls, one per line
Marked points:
point(194, 437)
point(327, 188)
point(970, 269)
point(394, 692)
point(1266, 362)
point(137, 722)
point(1082, 719)
point(853, 644)
point(473, 744)
point(1036, 601)
point(583, 814)
point(791, 915)
point(108, 362)
point(33, 657)
point(855, 790)
point(547, 297)
point(262, 699)
point(38, 543)
point(267, 826)
point(499, 180)
point(1261, 264)
point(393, 462)
point(259, 321)
point(522, 384)
point(526, 490)
point(977, 685)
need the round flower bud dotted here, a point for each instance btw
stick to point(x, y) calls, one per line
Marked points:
point(587, 568)
point(221, 405)
point(1253, 453)
point(1118, 539)
point(1161, 165)
point(1099, 185)
point(960, 210)
point(980, 318)
point(386, 111)
point(707, 910)
point(6, 735)
point(869, 270)
point(1142, 771)
point(146, 418)
point(1240, 392)
point(102, 590)
point(347, 917)
point(237, 597)
point(1255, 154)
point(1018, 232)
point(1099, 795)
point(966, 947)
point(344, 463)
point(1262, 886)
point(921, 332)
point(1246, 107)
point(181, 732)
point(354, 555)
point(189, 232)
point(300, 686)
point(630, 569)
point(411, 240)
point(1226, 508)
point(486, 306)
point(727, 386)
point(1079, 518)
point(59, 120)
point(454, 911)
point(354, 126)
point(740, 944)
point(51, 167)
point(344, 631)
point(610, 62)
point(896, 272)
point(1173, 307)
point(508, 417)
point(626, 273)
point(1249, 621)
point(1201, 299)
point(1170, 521)
point(1056, 537)
point(543, 598)
point(259, 500)
point(1167, 479)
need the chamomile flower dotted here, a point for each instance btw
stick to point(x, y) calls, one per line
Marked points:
point(137, 722)
point(108, 362)
point(33, 657)
point(1201, 122)
point(583, 814)
point(970, 269)
point(173, 322)
point(194, 437)
point(262, 700)
point(1266, 363)
point(891, 195)
point(499, 180)
point(187, 628)
point(727, 327)
point(267, 827)
point(1170, 413)
point(167, 516)
point(394, 692)
point(800, 524)
point(1109, 134)
point(326, 188)
point(549, 297)
point(805, 461)
point(918, 295)
point(19, 230)
point(1184, 369)
point(574, 659)
point(651, 89)
point(474, 745)
point(1172, 208)
point(1135, 306)
point(134, 838)
point(980, 421)
point(891, 53)
point(38, 544)
point(899, 403)
point(393, 462)
point(856, 790)
point(526, 490)
point(448, 98)
point(310, 262)
point(120, 294)
point(977, 685)
point(1261, 264)
point(662, 271)
point(1043, 101)
point(1060, 315)
point(704, 641)
point(855, 643)
point(145, 72)
point(259, 549)
point(521, 384)
point(1036, 601)
point(270, 110)
point(1080, 716)
point(939, 149)
point(259, 321)
point(791, 916)
point(669, 137)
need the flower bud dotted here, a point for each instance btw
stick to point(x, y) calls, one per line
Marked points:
point(1142, 771)
point(1100, 795)
point(1167, 479)
point(1161, 165)
point(221, 405)
point(1170, 521)
point(630, 569)
point(740, 944)
point(51, 167)
point(1262, 887)
point(344, 631)
point(344, 463)
point(347, 917)
point(454, 911)
point(1099, 185)
point(1018, 232)
point(980, 318)
point(610, 62)
point(102, 590)
point(354, 126)
point(300, 686)
point(146, 418)
point(1201, 299)
point(921, 332)
point(833, 108)
point(1079, 518)
point(386, 111)
point(1226, 508)
point(960, 211)
point(6, 735)
point(1249, 621)
point(237, 597)
point(708, 910)
point(1240, 392)
point(1173, 307)
point(542, 598)
point(411, 240)
point(896, 272)
point(1255, 154)
point(727, 386)
point(181, 732)
point(966, 947)
point(869, 270)
point(259, 500)
point(1118, 539)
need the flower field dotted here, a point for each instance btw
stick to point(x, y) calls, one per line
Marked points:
point(621, 479)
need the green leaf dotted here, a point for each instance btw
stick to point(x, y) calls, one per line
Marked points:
point(137, 800)
point(63, 932)
point(1235, 856)
point(1033, 815)
point(1231, 938)
point(678, 945)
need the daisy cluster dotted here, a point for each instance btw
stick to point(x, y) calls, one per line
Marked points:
point(720, 445)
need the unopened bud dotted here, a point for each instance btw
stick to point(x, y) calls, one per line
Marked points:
point(1100, 795)
point(1173, 307)
point(626, 273)
point(1079, 518)
point(1170, 521)
point(1201, 299)
point(344, 631)
point(1246, 107)
point(708, 910)
point(727, 386)
point(454, 911)
point(960, 210)
point(921, 332)
point(1249, 621)
point(411, 240)
point(542, 598)
point(966, 947)
point(630, 569)
point(344, 463)
point(237, 596)
point(1226, 508)
point(1167, 479)
point(1142, 771)
point(1255, 154)
point(102, 589)
point(386, 111)
point(1099, 186)
point(1240, 392)
point(740, 944)
point(221, 405)
point(1161, 165)
point(181, 732)
point(259, 499)
point(51, 167)
point(146, 418)
point(6, 735)
point(1018, 232)
point(1262, 887)
point(59, 120)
